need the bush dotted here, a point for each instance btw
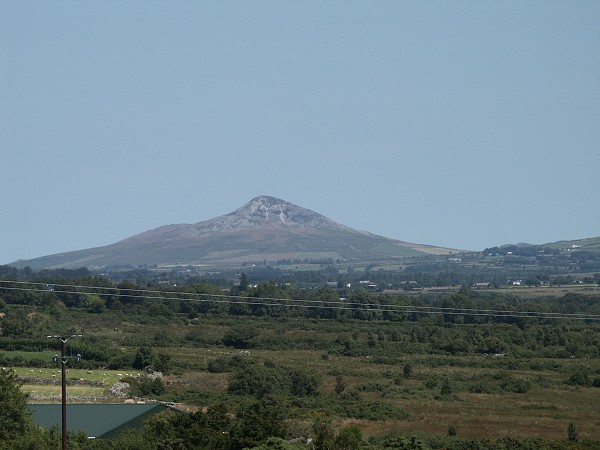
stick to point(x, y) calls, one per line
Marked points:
point(446, 388)
point(120, 361)
point(303, 383)
point(349, 438)
point(357, 408)
point(254, 380)
point(147, 386)
point(431, 383)
point(259, 381)
point(571, 433)
point(509, 383)
point(218, 365)
point(241, 336)
point(579, 378)
point(143, 358)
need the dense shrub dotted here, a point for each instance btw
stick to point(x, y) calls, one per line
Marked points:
point(357, 408)
point(259, 381)
point(147, 386)
point(241, 336)
point(579, 378)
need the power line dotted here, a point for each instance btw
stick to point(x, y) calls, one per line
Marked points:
point(305, 303)
point(283, 302)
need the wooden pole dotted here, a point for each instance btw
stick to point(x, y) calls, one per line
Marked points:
point(63, 361)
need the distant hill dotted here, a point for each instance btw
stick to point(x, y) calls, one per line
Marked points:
point(264, 229)
point(591, 244)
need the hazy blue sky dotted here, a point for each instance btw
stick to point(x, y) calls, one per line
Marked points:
point(464, 124)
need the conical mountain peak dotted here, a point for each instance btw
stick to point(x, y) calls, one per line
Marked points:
point(266, 210)
point(263, 206)
point(265, 228)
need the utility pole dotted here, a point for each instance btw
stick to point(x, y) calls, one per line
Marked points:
point(63, 360)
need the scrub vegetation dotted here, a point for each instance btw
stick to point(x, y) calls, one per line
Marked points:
point(280, 366)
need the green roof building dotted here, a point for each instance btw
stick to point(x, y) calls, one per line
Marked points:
point(97, 420)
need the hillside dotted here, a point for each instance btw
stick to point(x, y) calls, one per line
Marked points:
point(264, 229)
point(590, 244)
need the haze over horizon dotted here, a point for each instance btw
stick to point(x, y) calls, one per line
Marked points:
point(458, 124)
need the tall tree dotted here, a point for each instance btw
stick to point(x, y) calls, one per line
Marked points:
point(15, 418)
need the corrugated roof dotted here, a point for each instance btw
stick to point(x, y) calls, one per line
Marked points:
point(98, 420)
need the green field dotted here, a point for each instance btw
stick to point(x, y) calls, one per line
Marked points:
point(107, 377)
point(49, 389)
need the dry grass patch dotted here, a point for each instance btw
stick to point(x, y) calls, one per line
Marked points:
point(198, 381)
point(543, 413)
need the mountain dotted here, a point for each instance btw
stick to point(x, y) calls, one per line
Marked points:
point(264, 229)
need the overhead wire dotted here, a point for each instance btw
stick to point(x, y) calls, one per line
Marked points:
point(281, 302)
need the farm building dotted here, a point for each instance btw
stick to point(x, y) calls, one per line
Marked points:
point(96, 420)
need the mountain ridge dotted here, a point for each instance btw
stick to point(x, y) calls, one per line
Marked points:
point(265, 228)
